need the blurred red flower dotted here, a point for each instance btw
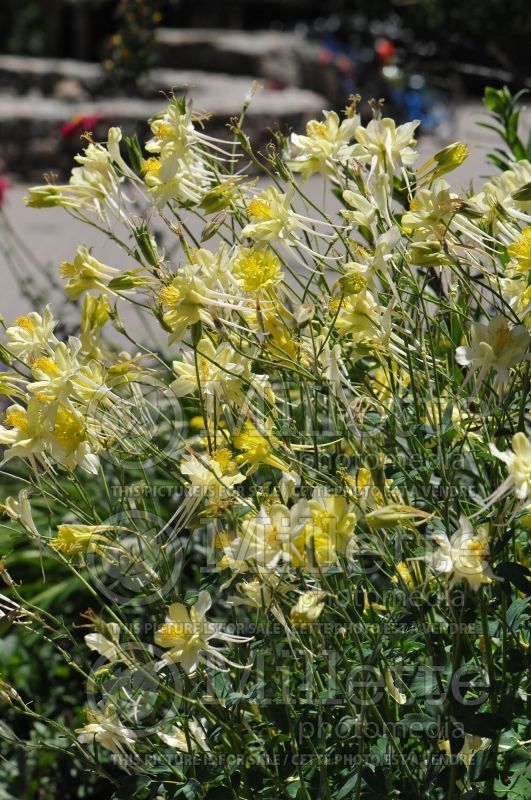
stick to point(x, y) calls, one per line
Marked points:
point(4, 186)
point(78, 125)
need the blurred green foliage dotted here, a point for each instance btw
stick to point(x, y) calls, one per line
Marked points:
point(54, 27)
point(118, 32)
point(133, 49)
point(31, 663)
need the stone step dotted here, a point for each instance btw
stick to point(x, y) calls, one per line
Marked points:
point(283, 57)
point(30, 140)
point(18, 74)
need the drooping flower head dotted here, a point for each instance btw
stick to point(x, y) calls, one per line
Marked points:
point(494, 346)
point(463, 557)
point(186, 635)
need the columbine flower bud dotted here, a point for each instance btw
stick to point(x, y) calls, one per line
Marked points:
point(304, 314)
point(446, 160)
point(147, 244)
point(43, 197)
point(395, 514)
point(450, 157)
point(426, 254)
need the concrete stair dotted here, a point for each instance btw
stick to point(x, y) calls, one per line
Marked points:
point(38, 96)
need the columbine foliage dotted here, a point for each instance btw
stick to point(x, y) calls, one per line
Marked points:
point(297, 491)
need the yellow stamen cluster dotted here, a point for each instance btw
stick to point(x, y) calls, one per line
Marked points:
point(353, 284)
point(47, 365)
point(260, 210)
point(67, 270)
point(68, 429)
point(257, 269)
point(323, 521)
point(26, 323)
point(151, 166)
point(334, 304)
point(223, 457)
point(169, 296)
point(162, 129)
point(521, 250)
point(314, 128)
point(16, 419)
point(502, 338)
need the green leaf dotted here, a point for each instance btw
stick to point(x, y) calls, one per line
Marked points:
point(293, 787)
point(516, 611)
point(192, 790)
point(135, 152)
point(518, 789)
point(347, 788)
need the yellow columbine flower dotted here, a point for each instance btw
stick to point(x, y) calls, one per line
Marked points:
point(362, 317)
point(30, 336)
point(326, 144)
point(19, 509)
point(385, 146)
point(332, 525)
point(494, 346)
point(76, 539)
point(280, 341)
point(404, 574)
point(186, 635)
point(518, 461)
point(85, 272)
point(463, 557)
point(271, 216)
point(257, 449)
point(213, 478)
point(521, 251)
point(220, 196)
point(308, 608)
point(23, 432)
point(151, 166)
point(257, 270)
point(106, 729)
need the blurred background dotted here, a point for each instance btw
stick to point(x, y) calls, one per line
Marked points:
point(68, 66)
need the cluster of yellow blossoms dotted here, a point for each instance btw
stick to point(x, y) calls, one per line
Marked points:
point(293, 336)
